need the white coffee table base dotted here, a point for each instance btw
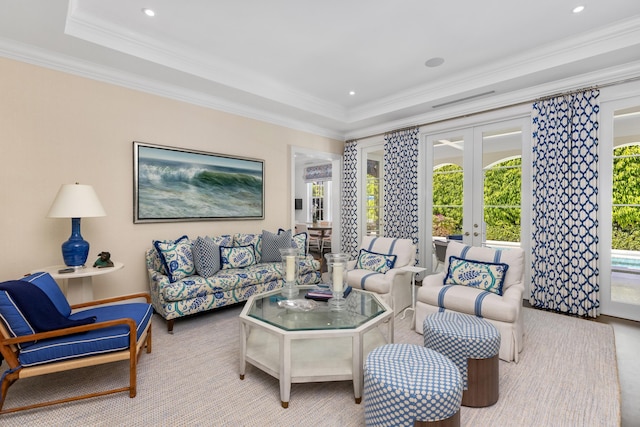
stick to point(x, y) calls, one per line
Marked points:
point(303, 356)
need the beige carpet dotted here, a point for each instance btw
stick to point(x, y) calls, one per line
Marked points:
point(566, 376)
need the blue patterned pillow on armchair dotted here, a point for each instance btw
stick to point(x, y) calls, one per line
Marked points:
point(380, 263)
point(486, 276)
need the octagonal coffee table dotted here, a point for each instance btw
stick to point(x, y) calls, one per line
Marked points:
point(300, 341)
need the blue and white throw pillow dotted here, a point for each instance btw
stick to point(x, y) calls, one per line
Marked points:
point(206, 254)
point(299, 241)
point(237, 256)
point(176, 257)
point(486, 276)
point(272, 243)
point(245, 239)
point(372, 261)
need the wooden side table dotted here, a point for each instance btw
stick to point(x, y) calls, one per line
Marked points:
point(79, 283)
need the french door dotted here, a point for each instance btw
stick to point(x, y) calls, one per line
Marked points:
point(474, 184)
point(620, 208)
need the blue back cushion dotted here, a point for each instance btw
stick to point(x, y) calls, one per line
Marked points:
point(13, 318)
point(49, 286)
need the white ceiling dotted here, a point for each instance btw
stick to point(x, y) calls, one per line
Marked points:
point(293, 62)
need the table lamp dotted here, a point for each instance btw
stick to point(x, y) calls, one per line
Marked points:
point(76, 201)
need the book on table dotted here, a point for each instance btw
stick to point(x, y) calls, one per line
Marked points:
point(324, 293)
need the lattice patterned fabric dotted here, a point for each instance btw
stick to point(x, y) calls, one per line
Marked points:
point(401, 185)
point(372, 261)
point(564, 253)
point(460, 337)
point(486, 276)
point(176, 257)
point(349, 202)
point(237, 256)
point(404, 383)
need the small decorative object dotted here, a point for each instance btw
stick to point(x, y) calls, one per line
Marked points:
point(298, 304)
point(290, 268)
point(104, 260)
point(337, 272)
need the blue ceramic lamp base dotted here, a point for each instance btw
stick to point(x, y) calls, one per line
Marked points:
point(75, 250)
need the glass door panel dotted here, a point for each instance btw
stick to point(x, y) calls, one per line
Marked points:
point(625, 209)
point(448, 186)
point(500, 223)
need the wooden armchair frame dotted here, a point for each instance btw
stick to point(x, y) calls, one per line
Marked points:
point(10, 351)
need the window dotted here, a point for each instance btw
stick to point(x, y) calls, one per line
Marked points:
point(319, 201)
point(373, 198)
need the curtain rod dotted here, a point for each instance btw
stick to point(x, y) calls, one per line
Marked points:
point(516, 104)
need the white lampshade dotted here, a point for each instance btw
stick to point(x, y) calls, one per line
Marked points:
point(76, 201)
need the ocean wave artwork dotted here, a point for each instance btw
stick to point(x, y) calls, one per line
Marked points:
point(184, 185)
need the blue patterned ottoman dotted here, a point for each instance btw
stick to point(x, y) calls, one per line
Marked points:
point(473, 344)
point(406, 385)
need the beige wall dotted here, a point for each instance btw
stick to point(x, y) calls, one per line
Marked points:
point(56, 128)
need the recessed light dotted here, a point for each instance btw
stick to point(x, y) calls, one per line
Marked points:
point(578, 9)
point(148, 12)
point(352, 92)
point(434, 62)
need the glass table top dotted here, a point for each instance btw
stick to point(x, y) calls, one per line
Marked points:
point(302, 314)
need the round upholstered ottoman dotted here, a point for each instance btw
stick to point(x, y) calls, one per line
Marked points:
point(473, 344)
point(406, 385)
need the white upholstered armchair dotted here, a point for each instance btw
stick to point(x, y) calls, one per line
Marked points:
point(370, 273)
point(503, 309)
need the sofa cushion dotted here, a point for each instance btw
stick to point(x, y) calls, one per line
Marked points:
point(272, 243)
point(93, 342)
point(486, 276)
point(244, 239)
point(206, 256)
point(177, 257)
point(468, 300)
point(237, 256)
point(372, 261)
point(299, 241)
point(232, 279)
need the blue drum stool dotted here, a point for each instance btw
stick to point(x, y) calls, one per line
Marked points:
point(473, 344)
point(410, 385)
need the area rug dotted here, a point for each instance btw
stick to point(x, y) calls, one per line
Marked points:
point(567, 376)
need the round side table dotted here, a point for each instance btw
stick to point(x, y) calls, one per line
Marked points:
point(79, 283)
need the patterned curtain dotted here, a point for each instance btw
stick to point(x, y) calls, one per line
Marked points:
point(565, 189)
point(350, 237)
point(401, 184)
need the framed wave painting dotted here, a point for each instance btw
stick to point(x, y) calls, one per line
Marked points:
point(174, 184)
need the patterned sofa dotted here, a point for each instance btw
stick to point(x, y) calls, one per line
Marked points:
point(192, 276)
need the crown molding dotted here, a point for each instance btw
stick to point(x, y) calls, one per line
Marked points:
point(43, 58)
point(609, 76)
point(194, 62)
point(623, 34)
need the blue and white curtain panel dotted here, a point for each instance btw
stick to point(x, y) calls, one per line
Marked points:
point(565, 190)
point(401, 184)
point(349, 208)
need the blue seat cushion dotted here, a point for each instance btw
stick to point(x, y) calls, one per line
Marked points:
point(104, 340)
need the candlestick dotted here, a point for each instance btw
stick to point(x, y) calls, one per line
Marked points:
point(291, 269)
point(338, 270)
